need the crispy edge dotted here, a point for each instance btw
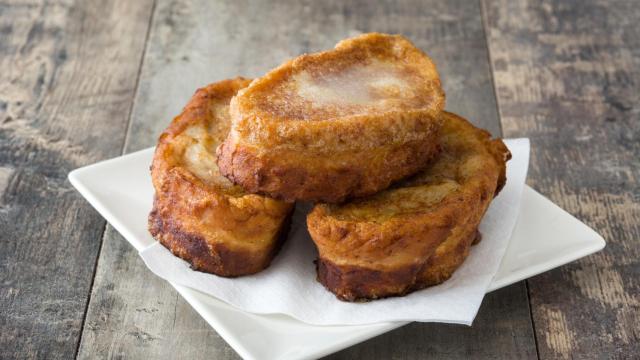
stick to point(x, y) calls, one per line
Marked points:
point(316, 179)
point(358, 283)
point(216, 258)
point(177, 190)
point(283, 159)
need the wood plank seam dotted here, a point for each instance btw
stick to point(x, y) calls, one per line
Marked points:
point(483, 19)
point(93, 277)
point(533, 322)
point(122, 149)
point(566, 76)
point(69, 74)
point(483, 16)
point(135, 93)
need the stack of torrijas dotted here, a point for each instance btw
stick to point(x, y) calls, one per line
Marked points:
point(400, 185)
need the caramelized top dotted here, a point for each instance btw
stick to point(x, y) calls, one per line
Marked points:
point(371, 73)
point(468, 157)
point(192, 138)
point(198, 146)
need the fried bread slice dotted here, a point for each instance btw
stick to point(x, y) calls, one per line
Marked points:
point(200, 215)
point(336, 124)
point(417, 233)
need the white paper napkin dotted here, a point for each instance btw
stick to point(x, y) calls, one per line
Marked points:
point(289, 285)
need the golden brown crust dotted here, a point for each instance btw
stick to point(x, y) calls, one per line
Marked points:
point(369, 284)
point(291, 175)
point(305, 131)
point(417, 233)
point(217, 257)
point(198, 214)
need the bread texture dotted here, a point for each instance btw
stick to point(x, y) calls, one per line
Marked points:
point(338, 124)
point(417, 233)
point(197, 213)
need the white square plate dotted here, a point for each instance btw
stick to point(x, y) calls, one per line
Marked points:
point(120, 189)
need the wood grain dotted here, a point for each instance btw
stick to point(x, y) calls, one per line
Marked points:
point(567, 75)
point(497, 333)
point(193, 43)
point(136, 315)
point(68, 76)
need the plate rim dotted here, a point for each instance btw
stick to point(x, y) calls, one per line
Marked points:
point(76, 179)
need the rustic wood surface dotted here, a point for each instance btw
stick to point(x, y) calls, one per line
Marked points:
point(568, 76)
point(135, 315)
point(68, 78)
point(76, 86)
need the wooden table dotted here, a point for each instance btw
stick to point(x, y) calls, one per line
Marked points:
point(83, 81)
